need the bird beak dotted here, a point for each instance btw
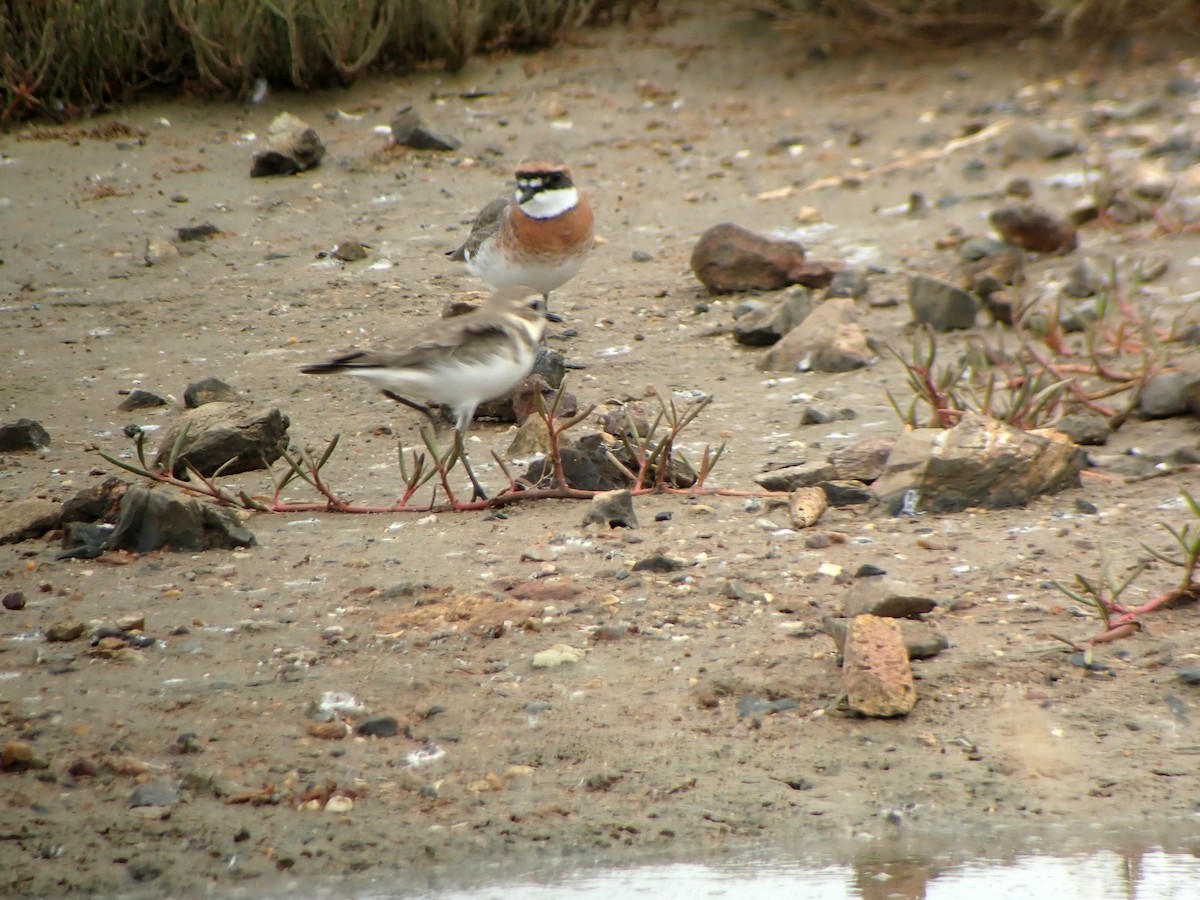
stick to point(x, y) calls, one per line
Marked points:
point(526, 193)
point(554, 317)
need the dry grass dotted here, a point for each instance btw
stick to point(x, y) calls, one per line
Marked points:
point(60, 58)
point(849, 25)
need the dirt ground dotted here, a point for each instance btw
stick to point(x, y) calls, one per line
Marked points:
point(622, 754)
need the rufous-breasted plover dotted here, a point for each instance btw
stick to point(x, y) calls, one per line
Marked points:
point(458, 362)
point(538, 236)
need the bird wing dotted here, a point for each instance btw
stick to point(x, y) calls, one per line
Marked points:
point(487, 223)
point(476, 337)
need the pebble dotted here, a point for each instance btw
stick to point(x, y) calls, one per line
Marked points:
point(379, 726)
point(558, 655)
point(339, 804)
point(154, 793)
point(14, 601)
point(18, 756)
point(67, 630)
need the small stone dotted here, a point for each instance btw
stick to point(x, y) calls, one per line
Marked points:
point(1088, 429)
point(766, 321)
point(660, 563)
point(208, 390)
point(23, 434)
point(862, 460)
point(201, 232)
point(329, 731)
point(1165, 395)
point(557, 655)
point(806, 505)
point(139, 399)
point(830, 339)
point(292, 146)
point(410, 130)
point(921, 641)
point(612, 508)
point(14, 601)
point(791, 477)
point(728, 258)
point(21, 520)
point(350, 251)
point(1190, 675)
point(886, 597)
point(225, 437)
point(1032, 140)
point(159, 251)
point(941, 305)
point(1031, 227)
point(846, 492)
point(379, 726)
point(19, 756)
point(67, 630)
point(338, 804)
point(869, 570)
point(154, 793)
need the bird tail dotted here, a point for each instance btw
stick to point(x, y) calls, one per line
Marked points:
point(340, 364)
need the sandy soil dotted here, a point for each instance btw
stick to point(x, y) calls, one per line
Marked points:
point(670, 131)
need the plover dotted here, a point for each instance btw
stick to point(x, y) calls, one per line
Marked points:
point(458, 362)
point(537, 236)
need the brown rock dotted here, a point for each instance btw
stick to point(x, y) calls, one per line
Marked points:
point(292, 146)
point(329, 731)
point(30, 518)
point(876, 674)
point(729, 258)
point(806, 505)
point(978, 462)
point(862, 460)
point(67, 630)
point(19, 756)
point(1032, 227)
point(886, 597)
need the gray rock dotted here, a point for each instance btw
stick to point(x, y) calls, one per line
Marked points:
point(99, 501)
point(979, 462)
point(226, 436)
point(887, 597)
point(1087, 278)
point(292, 146)
point(849, 282)
point(846, 492)
point(770, 320)
point(921, 640)
point(379, 726)
point(153, 793)
point(660, 563)
point(21, 520)
point(941, 305)
point(613, 509)
point(410, 130)
point(1166, 395)
point(828, 340)
point(152, 519)
point(824, 413)
point(1088, 429)
point(208, 390)
point(139, 399)
point(1032, 140)
point(23, 434)
point(796, 475)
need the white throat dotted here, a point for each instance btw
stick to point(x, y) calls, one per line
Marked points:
point(548, 204)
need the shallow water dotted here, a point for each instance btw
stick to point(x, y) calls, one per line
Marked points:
point(1143, 874)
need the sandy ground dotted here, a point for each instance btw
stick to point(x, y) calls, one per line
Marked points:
point(622, 755)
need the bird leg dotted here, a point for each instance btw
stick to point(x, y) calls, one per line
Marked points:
point(477, 489)
point(412, 404)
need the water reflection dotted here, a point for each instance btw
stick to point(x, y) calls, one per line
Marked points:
point(1073, 870)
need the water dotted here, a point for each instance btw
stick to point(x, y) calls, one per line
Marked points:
point(1152, 873)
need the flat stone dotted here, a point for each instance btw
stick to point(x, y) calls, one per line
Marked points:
point(862, 460)
point(139, 399)
point(770, 319)
point(876, 674)
point(798, 475)
point(152, 519)
point(154, 793)
point(410, 130)
point(21, 520)
point(921, 639)
point(558, 655)
point(846, 492)
point(886, 597)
